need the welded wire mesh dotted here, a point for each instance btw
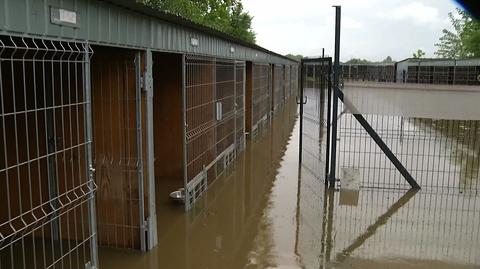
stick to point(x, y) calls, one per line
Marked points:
point(440, 154)
point(314, 117)
point(260, 94)
point(45, 188)
point(294, 81)
point(368, 72)
point(438, 146)
point(278, 86)
point(210, 108)
point(115, 147)
point(442, 74)
point(225, 112)
point(287, 82)
point(240, 105)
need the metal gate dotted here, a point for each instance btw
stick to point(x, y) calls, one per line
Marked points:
point(47, 207)
point(287, 83)
point(314, 104)
point(239, 106)
point(278, 87)
point(260, 95)
point(214, 113)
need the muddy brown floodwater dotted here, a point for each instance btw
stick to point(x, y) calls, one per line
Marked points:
point(267, 211)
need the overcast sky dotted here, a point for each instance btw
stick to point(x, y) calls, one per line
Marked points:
point(371, 29)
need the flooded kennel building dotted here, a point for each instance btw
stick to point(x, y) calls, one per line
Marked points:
point(106, 107)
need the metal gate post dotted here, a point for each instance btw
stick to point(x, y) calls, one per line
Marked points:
point(329, 120)
point(152, 213)
point(138, 113)
point(333, 160)
point(326, 75)
point(92, 220)
point(300, 102)
point(184, 121)
point(235, 107)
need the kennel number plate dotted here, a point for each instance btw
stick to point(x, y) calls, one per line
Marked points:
point(68, 16)
point(63, 17)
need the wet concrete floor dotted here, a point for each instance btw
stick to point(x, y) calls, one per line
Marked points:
point(268, 211)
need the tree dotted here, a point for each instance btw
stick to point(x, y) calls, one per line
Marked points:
point(226, 16)
point(418, 54)
point(358, 61)
point(463, 41)
point(387, 60)
point(296, 57)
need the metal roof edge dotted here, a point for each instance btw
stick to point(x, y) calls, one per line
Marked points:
point(175, 19)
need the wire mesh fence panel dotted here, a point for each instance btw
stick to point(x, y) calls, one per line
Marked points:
point(449, 74)
point(368, 72)
point(46, 189)
point(260, 94)
point(438, 146)
point(294, 82)
point(199, 95)
point(210, 104)
point(240, 106)
point(278, 86)
point(287, 82)
point(225, 113)
point(115, 147)
point(314, 117)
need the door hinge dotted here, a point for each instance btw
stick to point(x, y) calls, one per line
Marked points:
point(142, 82)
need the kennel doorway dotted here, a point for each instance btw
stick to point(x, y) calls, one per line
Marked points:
point(119, 134)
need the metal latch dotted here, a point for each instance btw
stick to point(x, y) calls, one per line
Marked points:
point(142, 82)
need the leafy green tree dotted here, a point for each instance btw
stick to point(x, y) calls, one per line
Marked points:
point(387, 60)
point(463, 41)
point(296, 57)
point(227, 16)
point(418, 54)
point(358, 61)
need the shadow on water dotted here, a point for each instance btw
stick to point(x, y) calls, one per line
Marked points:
point(267, 211)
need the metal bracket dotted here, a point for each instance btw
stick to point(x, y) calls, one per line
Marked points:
point(305, 99)
point(142, 82)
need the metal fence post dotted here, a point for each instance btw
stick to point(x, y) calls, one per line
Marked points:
point(336, 67)
point(138, 112)
point(329, 115)
point(184, 121)
point(152, 214)
point(90, 170)
point(300, 101)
